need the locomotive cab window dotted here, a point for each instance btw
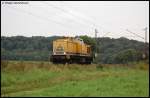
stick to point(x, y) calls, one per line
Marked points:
point(59, 48)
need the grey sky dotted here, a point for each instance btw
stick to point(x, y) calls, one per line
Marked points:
point(71, 18)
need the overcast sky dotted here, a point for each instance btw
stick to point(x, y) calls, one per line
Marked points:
point(72, 18)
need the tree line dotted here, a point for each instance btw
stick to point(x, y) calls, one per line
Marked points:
point(39, 48)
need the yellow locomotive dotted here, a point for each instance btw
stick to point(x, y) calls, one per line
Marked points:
point(71, 50)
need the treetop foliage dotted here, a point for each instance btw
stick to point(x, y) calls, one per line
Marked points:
point(121, 50)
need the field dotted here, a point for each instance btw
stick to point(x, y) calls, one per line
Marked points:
point(20, 78)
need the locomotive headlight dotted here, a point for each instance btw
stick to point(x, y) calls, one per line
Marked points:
point(64, 52)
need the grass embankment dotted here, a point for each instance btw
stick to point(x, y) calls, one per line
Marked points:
point(46, 79)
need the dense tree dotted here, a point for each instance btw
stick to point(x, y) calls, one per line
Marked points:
point(120, 50)
point(127, 56)
point(90, 41)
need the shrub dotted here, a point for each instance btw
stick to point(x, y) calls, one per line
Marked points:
point(4, 64)
point(99, 66)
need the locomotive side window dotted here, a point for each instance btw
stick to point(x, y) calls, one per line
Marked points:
point(88, 49)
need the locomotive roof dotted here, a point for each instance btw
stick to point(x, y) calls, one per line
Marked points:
point(72, 38)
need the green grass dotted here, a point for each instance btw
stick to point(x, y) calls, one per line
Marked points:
point(45, 79)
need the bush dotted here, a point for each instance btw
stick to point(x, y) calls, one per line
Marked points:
point(143, 66)
point(4, 64)
point(127, 56)
point(41, 65)
point(99, 66)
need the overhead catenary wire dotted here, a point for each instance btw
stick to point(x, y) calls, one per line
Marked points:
point(39, 17)
point(74, 15)
point(64, 10)
point(84, 19)
point(60, 15)
point(68, 13)
point(105, 34)
point(135, 34)
point(91, 21)
point(62, 24)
